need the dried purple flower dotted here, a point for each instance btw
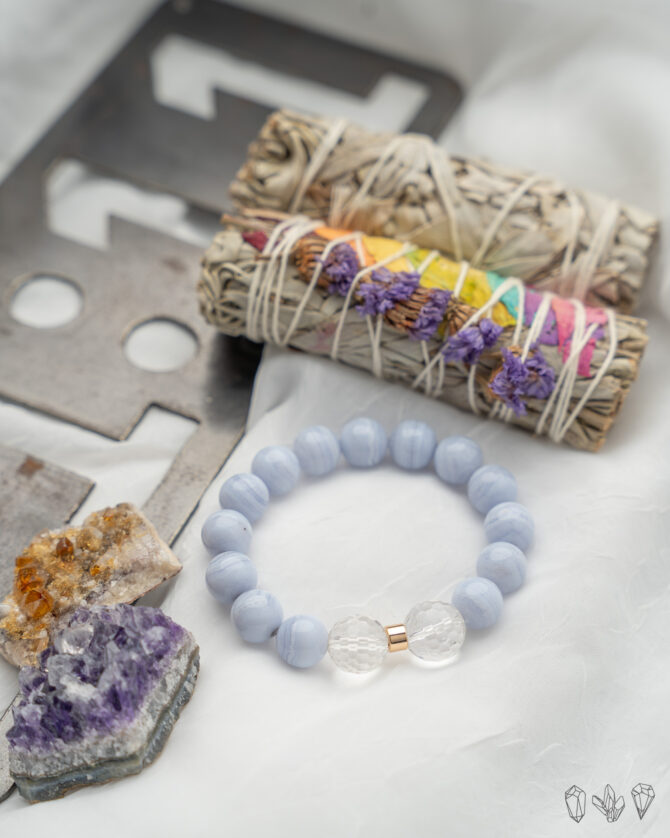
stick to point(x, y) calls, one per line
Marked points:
point(518, 379)
point(374, 299)
point(541, 378)
point(509, 384)
point(386, 289)
point(490, 332)
point(430, 316)
point(340, 266)
point(468, 344)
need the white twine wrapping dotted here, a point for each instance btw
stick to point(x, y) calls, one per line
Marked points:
point(418, 148)
point(263, 320)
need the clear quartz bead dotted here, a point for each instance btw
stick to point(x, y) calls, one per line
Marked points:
point(358, 644)
point(435, 631)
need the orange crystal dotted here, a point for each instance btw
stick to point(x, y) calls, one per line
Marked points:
point(64, 548)
point(63, 569)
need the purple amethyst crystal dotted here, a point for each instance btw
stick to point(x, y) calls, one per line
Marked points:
point(430, 316)
point(385, 290)
point(341, 266)
point(101, 701)
point(468, 344)
point(517, 380)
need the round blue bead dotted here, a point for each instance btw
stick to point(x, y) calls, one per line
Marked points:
point(247, 494)
point(412, 444)
point(317, 450)
point(510, 522)
point(479, 601)
point(504, 564)
point(489, 486)
point(278, 467)
point(363, 442)
point(229, 575)
point(456, 459)
point(256, 615)
point(302, 641)
point(226, 530)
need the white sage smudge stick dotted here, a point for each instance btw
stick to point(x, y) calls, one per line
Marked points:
point(573, 242)
point(483, 343)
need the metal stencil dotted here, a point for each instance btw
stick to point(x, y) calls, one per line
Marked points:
point(34, 495)
point(79, 372)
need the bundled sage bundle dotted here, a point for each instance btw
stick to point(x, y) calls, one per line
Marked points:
point(477, 340)
point(573, 242)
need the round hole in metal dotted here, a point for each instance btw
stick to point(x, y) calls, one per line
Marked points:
point(161, 345)
point(46, 302)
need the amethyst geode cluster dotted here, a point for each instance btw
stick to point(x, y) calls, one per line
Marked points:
point(102, 699)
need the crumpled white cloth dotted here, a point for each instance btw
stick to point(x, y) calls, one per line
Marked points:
point(572, 686)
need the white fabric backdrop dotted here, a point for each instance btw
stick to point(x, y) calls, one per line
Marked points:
point(573, 685)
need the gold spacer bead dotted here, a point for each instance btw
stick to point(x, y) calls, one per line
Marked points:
point(397, 637)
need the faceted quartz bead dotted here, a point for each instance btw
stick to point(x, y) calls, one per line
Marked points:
point(358, 644)
point(435, 631)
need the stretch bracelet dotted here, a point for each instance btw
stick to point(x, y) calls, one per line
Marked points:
point(434, 631)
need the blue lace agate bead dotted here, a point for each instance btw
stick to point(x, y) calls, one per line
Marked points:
point(456, 459)
point(226, 530)
point(363, 442)
point(256, 615)
point(302, 641)
point(278, 467)
point(247, 494)
point(479, 601)
point(317, 450)
point(412, 444)
point(510, 522)
point(489, 486)
point(504, 564)
point(229, 575)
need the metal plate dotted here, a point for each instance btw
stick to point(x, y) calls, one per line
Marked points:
point(79, 372)
point(129, 133)
point(6, 782)
point(34, 495)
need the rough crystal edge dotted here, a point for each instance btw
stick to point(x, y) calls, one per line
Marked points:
point(66, 757)
point(50, 788)
point(7, 785)
point(163, 566)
